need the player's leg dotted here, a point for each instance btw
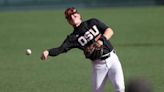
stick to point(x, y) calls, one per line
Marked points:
point(99, 75)
point(115, 74)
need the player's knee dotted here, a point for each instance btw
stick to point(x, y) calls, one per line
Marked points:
point(120, 90)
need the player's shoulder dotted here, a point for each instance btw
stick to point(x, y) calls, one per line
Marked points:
point(92, 20)
point(72, 35)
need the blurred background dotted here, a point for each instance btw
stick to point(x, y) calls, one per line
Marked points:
point(4, 4)
point(138, 39)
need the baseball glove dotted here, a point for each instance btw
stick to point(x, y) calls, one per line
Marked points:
point(93, 51)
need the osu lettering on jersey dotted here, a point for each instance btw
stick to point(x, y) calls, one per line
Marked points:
point(83, 36)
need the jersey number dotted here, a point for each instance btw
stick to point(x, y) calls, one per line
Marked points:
point(88, 36)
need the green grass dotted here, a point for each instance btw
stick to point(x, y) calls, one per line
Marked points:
point(138, 39)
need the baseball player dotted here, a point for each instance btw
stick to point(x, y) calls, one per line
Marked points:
point(92, 37)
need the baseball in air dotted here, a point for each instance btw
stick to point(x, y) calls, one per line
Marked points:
point(28, 52)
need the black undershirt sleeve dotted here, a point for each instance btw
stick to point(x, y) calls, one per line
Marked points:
point(64, 47)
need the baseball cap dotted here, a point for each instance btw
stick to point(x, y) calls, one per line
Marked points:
point(69, 11)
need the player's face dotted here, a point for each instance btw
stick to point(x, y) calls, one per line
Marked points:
point(74, 19)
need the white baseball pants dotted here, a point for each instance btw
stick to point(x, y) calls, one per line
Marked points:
point(111, 69)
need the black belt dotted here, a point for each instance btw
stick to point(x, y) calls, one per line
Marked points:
point(107, 55)
point(103, 58)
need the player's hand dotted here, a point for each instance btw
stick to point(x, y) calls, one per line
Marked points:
point(100, 43)
point(44, 55)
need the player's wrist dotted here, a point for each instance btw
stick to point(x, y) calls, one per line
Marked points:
point(102, 38)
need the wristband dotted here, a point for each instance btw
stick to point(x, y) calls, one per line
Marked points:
point(103, 38)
